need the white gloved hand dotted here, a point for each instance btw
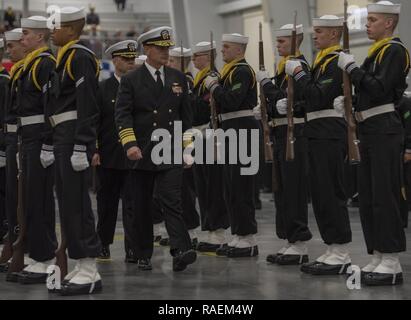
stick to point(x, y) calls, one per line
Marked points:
point(291, 65)
point(346, 62)
point(261, 75)
point(339, 105)
point(211, 81)
point(2, 159)
point(257, 112)
point(282, 106)
point(79, 161)
point(46, 156)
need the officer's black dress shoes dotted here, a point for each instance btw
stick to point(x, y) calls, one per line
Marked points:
point(4, 267)
point(104, 254)
point(243, 252)
point(32, 278)
point(130, 257)
point(72, 289)
point(209, 247)
point(144, 264)
point(381, 279)
point(182, 259)
point(320, 268)
point(291, 259)
point(164, 242)
point(223, 251)
point(272, 258)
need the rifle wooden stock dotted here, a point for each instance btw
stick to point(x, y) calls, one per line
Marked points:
point(353, 149)
point(61, 256)
point(289, 154)
point(17, 261)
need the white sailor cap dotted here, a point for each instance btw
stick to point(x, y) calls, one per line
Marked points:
point(126, 49)
point(14, 35)
point(34, 22)
point(1, 43)
point(140, 59)
point(70, 14)
point(203, 46)
point(384, 7)
point(159, 37)
point(328, 21)
point(235, 38)
point(287, 30)
point(176, 52)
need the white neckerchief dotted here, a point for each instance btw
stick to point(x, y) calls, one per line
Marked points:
point(117, 77)
point(153, 70)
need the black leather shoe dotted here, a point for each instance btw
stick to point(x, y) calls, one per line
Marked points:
point(164, 242)
point(104, 254)
point(258, 205)
point(130, 257)
point(272, 258)
point(208, 247)
point(32, 278)
point(156, 238)
point(72, 289)
point(382, 279)
point(4, 267)
point(12, 277)
point(222, 252)
point(243, 252)
point(144, 264)
point(183, 259)
point(319, 268)
point(291, 259)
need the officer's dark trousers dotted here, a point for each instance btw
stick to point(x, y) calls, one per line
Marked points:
point(11, 186)
point(326, 168)
point(3, 219)
point(167, 185)
point(209, 183)
point(38, 203)
point(114, 185)
point(75, 206)
point(188, 197)
point(291, 197)
point(380, 192)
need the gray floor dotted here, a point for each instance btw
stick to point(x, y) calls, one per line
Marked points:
point(221, 278)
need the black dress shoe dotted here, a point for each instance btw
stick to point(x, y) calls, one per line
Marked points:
point(243, 252)
point(144, 264)
point(223, 251)
point(291, 259)
point(382, 279)
point(32, 278)
point(104, 254)
point(320, 268)
point(209, 247)
point(156, 238)
point(272, 258)
point(258, 205)
point(72, 289)
point(130, 257)
point(183, 259)
point(4, 267)
point(164, 242)
point(12, 277)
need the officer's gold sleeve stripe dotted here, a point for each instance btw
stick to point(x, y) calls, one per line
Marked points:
point(128, 139)
point(126, 133)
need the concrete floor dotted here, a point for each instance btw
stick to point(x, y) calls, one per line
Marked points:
point(221, 278)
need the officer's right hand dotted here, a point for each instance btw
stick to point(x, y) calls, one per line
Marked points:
point(134, 154)
point(257, 112)
point(339, 105)
point(95, 161)
point(262, 75)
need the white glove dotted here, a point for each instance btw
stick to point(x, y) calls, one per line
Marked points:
point(2, 159)
point(257, 112)
point(79, 161)
point(282, 106)
point(339, 105)
point(346, 62)
point(46, 156)
point(210, 82)
point(291, 65)
point(261, 75)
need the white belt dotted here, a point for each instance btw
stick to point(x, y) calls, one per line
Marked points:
point(236, 114)
point(284, 121)
point(364, 115)
point(328, 113)
point(63, 117)
point(11, 128)
point(26, 121)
